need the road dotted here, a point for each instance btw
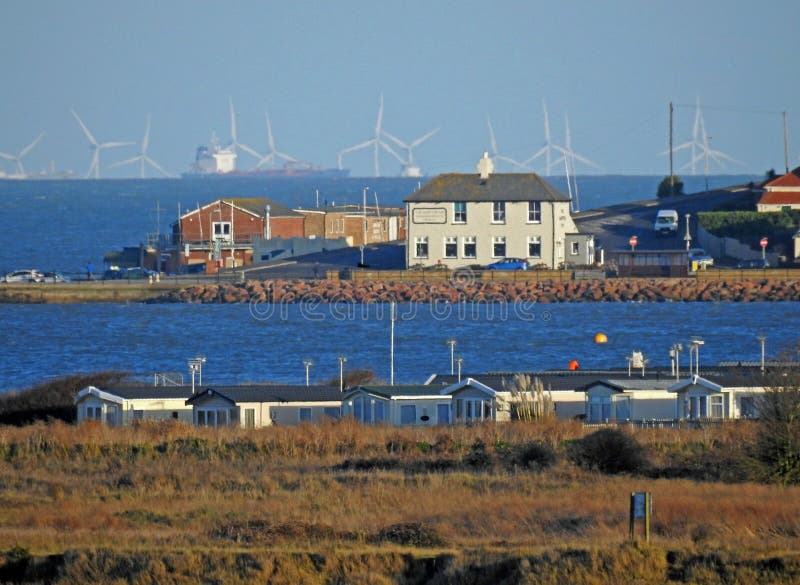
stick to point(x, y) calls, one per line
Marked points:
point(614, 225)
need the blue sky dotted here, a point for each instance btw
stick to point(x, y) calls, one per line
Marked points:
point(320, 68)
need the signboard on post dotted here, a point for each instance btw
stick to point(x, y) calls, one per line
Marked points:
point(641, 509)
point(764, 242)
point(632, 242)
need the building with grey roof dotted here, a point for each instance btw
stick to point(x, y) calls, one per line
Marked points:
point(475, 219)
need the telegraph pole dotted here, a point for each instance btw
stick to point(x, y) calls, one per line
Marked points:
point(671, 175)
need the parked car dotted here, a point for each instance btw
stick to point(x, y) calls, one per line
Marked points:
point(24, 276)
point(137, 273)
point(699, 255)
point(753, 263)
point(508, 264)
point(55, 277)
point(666, 222)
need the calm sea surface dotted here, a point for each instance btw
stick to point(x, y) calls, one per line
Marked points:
point(62, 224)
point(269, 343)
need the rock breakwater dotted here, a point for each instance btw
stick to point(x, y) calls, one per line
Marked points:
point(612, 290)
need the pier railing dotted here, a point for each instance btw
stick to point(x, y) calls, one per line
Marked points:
point(749, 274)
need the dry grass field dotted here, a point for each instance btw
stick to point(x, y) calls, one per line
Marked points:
point(343, 503)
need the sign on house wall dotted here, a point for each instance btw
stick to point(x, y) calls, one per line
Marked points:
point(429, 215)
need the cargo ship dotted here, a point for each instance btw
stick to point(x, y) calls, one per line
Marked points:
point(220, 162)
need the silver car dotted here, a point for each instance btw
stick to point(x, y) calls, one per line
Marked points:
point(24, 276)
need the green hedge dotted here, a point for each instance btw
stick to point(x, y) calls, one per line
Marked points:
point(750, 226)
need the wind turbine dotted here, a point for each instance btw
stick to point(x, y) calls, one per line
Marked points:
point(568, 153)
point(375, 142)
point(495, 154)
point(94, 168)
point(273, 152)
point(547, 149)
point(707, 153)
point(142, 158)
point(22, 153)
point(409, 168)
point(234, 140)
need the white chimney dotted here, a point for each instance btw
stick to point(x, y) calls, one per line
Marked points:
point(485, 166)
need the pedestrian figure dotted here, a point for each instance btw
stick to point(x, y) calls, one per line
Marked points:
point(316, 270)
point(89, 271)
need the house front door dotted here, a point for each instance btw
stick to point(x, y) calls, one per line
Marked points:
point(443, 414)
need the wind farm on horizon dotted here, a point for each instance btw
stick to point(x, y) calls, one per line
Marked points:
point(545, 158)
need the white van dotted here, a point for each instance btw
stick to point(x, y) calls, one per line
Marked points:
point(666, 222)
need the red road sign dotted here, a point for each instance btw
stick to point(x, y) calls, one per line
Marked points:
point(764, 242)
point(634, 240)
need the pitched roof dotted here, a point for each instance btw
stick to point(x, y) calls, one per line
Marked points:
point(398, 391)
point(257, 205)
point(780, 198)
point(498, 187)
point(150, 392)
point(790, 179)
point(269, 393)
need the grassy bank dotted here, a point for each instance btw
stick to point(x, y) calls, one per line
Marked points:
point(343, 503)
point(85, 292)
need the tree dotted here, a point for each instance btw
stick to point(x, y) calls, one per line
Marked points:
point(668, 189)
point(778, 438)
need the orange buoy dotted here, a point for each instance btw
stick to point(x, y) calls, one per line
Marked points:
point(600, 338)
point(573, 365)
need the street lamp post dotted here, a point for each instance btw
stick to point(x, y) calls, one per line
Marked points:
point(459, 361)
point(675, 354)
point(688, 236)
point(307, 364)
point(196, 367)
point(763, 339)
point(694, 344)
point(342, 360)
point(452, 343)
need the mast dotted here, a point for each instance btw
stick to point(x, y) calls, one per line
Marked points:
point(786, 141)
point(671, 175)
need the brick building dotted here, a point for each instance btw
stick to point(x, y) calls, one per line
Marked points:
point(221, 233)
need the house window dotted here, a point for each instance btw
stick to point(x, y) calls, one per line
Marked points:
point(421, 247)
point(534, 212)
point(201, 418)
point(379, 416)
point(499, 212)
point(331, 412)
point(221, 230)
point(451, 247)
point(470, 247)
point(138, 415)
point(715, 409)
point(499, 247)
point(357, 406)
point(304, 414)
point(576, 248)
point(534, 246)
point(460, 212)
point(747, 407)
point(249, 418)
point(94, 412)
point(408, 414)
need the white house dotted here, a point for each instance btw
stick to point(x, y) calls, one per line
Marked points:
point(124, 405)
point(781, 193)
point(628, 399)
point(264, 405)
point(463, 219)
point(699, 398)
point(401, 405)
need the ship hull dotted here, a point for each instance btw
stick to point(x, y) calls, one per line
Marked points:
point(286, 173)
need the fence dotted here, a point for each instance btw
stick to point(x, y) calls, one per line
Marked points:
point(457, 275)
point(757, 274)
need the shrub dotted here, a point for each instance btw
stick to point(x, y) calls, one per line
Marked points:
point(778, 439)
point(410, 534)
point(665, 189)
point(536, 455)
point(609, 451)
